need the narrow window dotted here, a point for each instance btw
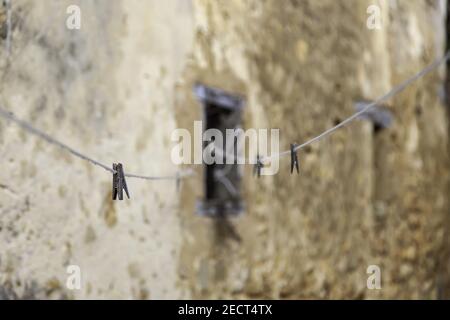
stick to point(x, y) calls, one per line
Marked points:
point(222, 182)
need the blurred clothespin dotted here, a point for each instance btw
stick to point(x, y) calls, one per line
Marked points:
point(294, 158)
point(380, 115)
point(258, 166)
point(119, 183)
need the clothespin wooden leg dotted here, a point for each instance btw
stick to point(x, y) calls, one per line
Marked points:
point(115, 176)
point(120, 183)
point(123, 181)
point(258, 166)
point(294, 158)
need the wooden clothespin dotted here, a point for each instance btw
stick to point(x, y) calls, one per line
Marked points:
point(258, 166)
point(294, 158)
point(119, 183)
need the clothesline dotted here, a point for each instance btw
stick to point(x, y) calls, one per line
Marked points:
point(189, 172)
point(46, 137)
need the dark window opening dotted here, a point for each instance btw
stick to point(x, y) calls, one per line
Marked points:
point(222, 181)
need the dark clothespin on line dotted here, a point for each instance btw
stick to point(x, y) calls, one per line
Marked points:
point(294, 158)
point(380, 114)
point(258, 166)
point(119, 183)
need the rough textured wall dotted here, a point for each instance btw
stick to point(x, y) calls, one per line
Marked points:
point(412, 161)
point(106, 90)
point(362, 197)
point(116, 89)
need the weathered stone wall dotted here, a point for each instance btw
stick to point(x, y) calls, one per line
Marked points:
point(116, 88)
point(362, 198)
point(106, 90)
point(412, 161)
